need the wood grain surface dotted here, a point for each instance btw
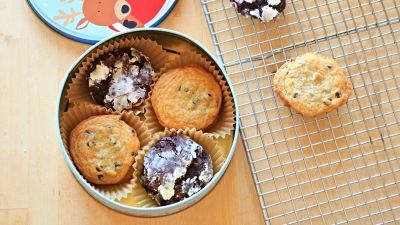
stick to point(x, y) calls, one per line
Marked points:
point(36, 186)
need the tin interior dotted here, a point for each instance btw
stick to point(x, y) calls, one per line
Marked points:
point(174, 43)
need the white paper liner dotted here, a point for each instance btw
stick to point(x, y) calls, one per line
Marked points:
point(77, 114)
point(209, 145)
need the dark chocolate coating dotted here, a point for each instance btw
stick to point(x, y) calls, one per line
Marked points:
point(244, 8)
point(201, 163)
point(143, 80)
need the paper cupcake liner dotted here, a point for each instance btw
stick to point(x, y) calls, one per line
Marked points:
point(210, 146)
point(77, 114)
point(225, 121)
point(78, 91)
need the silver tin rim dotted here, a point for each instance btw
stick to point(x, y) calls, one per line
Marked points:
point(156, 211)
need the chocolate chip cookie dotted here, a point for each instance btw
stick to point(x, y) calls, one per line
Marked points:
point(312, 84)
point(187, 97)
point(264, 10)
point(103, 149)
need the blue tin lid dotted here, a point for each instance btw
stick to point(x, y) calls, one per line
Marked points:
point(89, 21)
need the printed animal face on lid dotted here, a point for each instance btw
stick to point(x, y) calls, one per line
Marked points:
point(106, 13)
point(118, 15)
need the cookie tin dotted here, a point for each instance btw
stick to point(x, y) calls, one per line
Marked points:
point(90, 21)
point(174, 43)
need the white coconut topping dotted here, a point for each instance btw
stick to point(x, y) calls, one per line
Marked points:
point(124, 92)
point(265, 13)
point(273, 2)
point(268, 13)
point(99, 73)
point(171, 163)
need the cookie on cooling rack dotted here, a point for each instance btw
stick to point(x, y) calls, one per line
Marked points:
point(264, 10)
point(312, 84)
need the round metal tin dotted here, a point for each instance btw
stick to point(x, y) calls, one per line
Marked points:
point(174, 43)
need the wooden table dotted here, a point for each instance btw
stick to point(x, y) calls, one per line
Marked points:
point(36, 185)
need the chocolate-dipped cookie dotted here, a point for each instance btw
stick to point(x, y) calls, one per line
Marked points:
point(120, 79)
point(264, 10)
point(175, 168)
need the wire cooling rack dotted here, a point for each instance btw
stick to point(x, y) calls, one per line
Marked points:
point(339, 167)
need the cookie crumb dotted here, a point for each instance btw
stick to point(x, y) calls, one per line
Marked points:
point(4, 38)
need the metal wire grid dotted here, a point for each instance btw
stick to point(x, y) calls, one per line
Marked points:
point(340, 167)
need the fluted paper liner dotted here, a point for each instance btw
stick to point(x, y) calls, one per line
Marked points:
point(78, 91)
point(225, 121)
point(77, 114)
point(209, 145)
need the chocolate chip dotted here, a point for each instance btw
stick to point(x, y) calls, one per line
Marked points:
point(329, 66)
point(180, 88)
point(98, 169)
point(133, 131)
point(109, 127)
point(209, 95)
point(91, 144)
point(337, 94)
point(117, 164)
point(134, 153)
point(295, 95)
point(101, 177)
point(87, 132)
